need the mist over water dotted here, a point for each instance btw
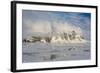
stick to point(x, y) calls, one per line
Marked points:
point(36, 22)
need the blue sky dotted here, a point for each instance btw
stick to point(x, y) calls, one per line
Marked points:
point(32, 17)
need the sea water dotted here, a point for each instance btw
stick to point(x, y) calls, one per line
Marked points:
point(44, 52)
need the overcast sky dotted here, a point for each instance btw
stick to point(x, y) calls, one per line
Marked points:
point(41, 21)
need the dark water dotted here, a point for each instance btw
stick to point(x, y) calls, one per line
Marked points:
point(43, 52)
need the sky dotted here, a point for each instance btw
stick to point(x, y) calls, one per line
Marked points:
point(40, 22)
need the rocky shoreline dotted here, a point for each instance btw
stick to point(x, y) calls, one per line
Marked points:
point(71, 37)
